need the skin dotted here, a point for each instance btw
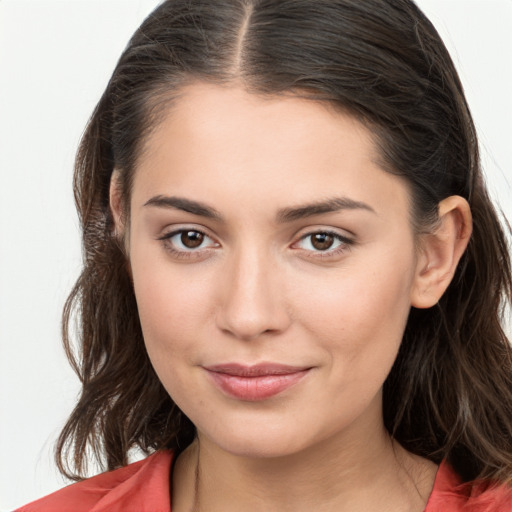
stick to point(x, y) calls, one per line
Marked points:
point(257, 289)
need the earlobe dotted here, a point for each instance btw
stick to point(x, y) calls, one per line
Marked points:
point(441, 251)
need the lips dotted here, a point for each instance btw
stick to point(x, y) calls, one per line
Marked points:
point(257, 382)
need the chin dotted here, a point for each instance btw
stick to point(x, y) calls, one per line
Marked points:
point(257, 440)
point(267, 447)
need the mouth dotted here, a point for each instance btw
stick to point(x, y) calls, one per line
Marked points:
point(257, 382)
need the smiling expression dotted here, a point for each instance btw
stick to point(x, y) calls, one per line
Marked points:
point(273, 263)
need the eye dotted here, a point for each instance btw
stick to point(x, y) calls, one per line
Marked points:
point(324, 242)
point(187, 241)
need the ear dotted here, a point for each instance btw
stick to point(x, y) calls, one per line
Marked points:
point(119, 217)
point(116, 204)
point(440, 252)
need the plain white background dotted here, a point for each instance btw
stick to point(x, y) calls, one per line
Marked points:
point(55, 60)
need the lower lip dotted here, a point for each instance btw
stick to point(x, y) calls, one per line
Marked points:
point(257, 388)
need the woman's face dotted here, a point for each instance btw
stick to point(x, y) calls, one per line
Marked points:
point(273, 263)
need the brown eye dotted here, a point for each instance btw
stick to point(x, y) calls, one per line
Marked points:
point(191, 239)
point(322, 241)
point(324, 244)
point(188, 243)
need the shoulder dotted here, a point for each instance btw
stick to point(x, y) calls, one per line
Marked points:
point(451, 495)
point(141, 486)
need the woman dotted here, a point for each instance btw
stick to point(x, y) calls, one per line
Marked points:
point(293, 274)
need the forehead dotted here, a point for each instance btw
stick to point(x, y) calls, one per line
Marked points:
point(227, 142)
point(215, 111)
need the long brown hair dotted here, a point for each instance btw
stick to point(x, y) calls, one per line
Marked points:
point(449, 394)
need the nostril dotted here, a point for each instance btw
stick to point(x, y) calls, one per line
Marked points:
point(249, 323)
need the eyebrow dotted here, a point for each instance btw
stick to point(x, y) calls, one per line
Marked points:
point(332, 205)
point(186, 205)
point(284, 215)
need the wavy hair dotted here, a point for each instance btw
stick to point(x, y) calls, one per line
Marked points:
point(449, 393)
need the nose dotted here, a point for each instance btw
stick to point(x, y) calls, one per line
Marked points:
point(253, 299)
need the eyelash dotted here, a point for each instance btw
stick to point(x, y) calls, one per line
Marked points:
point(345, 244)
point(184, 253)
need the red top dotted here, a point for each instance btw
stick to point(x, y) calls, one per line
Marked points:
point(144, 487)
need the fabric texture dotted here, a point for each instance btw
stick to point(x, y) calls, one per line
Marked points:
point(450, 495)
point(144, 486)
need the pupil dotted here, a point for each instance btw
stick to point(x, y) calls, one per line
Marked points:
point(322, 241)
point(192, 239)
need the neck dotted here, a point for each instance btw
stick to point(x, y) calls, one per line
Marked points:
point(339, 474)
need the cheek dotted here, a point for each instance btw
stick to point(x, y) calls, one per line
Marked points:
point(173, 305)
point(175, 313)
point(359, 314)
point(171, 311)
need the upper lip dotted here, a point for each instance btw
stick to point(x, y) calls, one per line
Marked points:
point(256, 370)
